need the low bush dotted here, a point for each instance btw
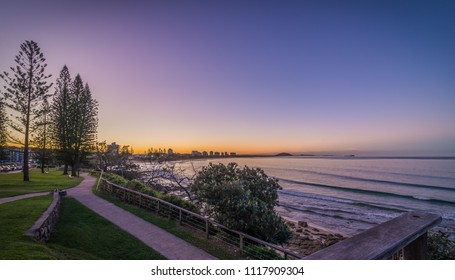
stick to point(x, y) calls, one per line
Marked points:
point(141, 187)
point(440, 247)
point(242, 199)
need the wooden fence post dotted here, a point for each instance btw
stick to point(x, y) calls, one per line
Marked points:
point(192, 219)
point(417, 250)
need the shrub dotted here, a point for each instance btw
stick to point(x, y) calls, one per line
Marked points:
point(141, 187)
point(440, 247)
point(242, 199)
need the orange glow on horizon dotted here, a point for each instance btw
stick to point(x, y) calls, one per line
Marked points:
point(246, 149)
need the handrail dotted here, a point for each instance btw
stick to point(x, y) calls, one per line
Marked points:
point(407, 232)
point(208, 221)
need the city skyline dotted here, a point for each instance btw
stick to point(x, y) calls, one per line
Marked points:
point(255, 77)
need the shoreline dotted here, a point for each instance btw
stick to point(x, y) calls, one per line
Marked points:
point(307, 238)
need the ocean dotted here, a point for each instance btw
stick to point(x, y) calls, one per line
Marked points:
point(349, 195)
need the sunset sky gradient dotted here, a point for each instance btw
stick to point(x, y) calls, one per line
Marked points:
point(364, 77)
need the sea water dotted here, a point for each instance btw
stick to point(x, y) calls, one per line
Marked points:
point(349, 195)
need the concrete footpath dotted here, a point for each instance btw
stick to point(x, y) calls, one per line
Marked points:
point(22, 196)
point(156, 238)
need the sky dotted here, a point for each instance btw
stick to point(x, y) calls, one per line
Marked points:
point(362, 77)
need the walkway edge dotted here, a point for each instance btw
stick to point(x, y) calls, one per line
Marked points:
point(156, 238)
point(22, 196)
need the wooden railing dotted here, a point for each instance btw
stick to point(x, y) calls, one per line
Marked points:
point(246, 245)
point(404, 237)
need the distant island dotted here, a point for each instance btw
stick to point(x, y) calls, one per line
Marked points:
point(312, 155)
point(284, 155)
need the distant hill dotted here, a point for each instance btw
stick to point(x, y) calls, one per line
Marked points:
point(284, 155)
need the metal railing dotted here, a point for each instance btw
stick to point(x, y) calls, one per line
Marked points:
point(242, 243)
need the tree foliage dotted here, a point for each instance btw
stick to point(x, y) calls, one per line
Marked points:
point(84, 121)
point(26, 89)
point(74, 119)
point(60, 119)
point(242, 199)
point(3, 129)
point(40, 137)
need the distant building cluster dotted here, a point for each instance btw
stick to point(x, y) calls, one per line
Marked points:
point(165, 154)
point(12, 158)
point(213, 154)
point(14, 155)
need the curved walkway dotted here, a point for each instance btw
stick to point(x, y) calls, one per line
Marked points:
point(22, 196)
point(156, 238)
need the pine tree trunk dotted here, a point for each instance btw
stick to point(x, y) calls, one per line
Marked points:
point(42, 162)
point(75, 165)
point(25, 166)
point(73, 170)
point(44, 144)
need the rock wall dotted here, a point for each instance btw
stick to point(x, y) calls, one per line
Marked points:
point(43, 227)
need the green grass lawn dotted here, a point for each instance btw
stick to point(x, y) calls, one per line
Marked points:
point(12, 184)
point(15, 219)
point(83, 234)
point(210, 246)
point(79, 234)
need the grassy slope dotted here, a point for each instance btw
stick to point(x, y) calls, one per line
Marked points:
point(12, 184)
point(198, 240)
point(80, 234)
point(83, 234)
point(15, 219)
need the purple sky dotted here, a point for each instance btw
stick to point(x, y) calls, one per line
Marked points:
point(254, 76)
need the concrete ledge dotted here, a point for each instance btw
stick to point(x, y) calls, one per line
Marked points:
point(43, 227)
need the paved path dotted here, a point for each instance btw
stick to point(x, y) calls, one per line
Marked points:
point(156, 238)
point(22, 196)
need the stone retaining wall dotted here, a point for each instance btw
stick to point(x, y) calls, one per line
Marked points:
point(43, 227)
